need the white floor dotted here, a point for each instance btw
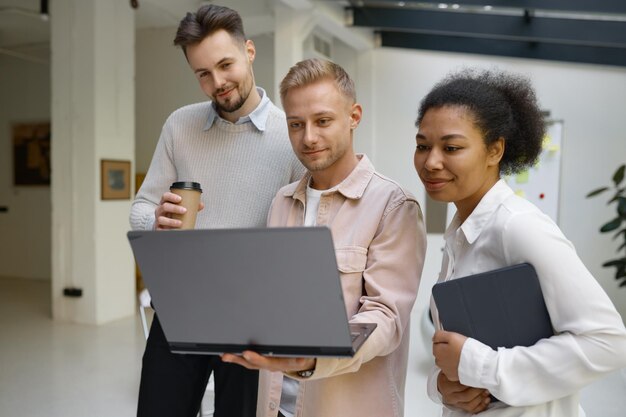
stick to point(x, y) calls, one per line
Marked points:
point(50, 369)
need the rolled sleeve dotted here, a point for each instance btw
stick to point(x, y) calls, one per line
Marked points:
point(474, 364)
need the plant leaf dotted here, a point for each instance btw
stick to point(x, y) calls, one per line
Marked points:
point(622, 246)
point(612, 225)
point(615, 262)
point(621, 207)
point(616, 197)
point(597, 191)
point(619, 175)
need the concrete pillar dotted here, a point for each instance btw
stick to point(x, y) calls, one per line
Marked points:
point(289, 34)
point(93, 60)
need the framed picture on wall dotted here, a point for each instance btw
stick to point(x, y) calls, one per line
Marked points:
point(114, 180)
point(31, 153)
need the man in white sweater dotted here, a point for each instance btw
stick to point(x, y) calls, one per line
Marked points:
point(236, 146)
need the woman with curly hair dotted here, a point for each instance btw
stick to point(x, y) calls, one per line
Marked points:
point(473, 127)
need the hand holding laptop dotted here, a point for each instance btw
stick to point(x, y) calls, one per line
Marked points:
point(253, 360)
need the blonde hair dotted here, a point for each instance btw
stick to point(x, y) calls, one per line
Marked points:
point(312, 70)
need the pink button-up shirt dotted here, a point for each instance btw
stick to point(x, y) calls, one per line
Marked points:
point(380, 242)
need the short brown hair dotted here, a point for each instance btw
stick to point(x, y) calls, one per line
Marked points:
point(194, 27)
point(312, 70)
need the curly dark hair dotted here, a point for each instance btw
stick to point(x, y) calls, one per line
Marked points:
point(503, 105)
point(194, 27)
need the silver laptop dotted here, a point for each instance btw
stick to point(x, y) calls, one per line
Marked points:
point(275, 291)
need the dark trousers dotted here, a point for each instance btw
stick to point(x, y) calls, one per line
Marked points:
point(172, 385)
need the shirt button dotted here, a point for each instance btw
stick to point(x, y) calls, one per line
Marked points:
point(272, 405)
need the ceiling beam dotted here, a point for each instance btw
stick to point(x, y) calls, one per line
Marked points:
point(509, 48)
point(530, 28)
point(580, 6)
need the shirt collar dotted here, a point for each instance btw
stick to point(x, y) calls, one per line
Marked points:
point(258, 116)
point(352, 187)
point(475, 223)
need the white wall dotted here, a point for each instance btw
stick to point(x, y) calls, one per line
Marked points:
point(163, 82)
point(590, 99)
point(25, 228)
point(264, 65)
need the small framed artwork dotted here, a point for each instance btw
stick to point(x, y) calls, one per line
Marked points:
point(31, 154)
point(114, 180)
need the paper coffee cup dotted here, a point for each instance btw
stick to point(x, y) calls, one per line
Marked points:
point(190, 193)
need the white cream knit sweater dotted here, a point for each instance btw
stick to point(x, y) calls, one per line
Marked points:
point(239, 167)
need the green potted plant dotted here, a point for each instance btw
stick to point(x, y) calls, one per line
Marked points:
point(618, 223)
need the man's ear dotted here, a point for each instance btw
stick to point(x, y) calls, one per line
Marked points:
point(356, 112)
point(495, 151)
point(250, 50)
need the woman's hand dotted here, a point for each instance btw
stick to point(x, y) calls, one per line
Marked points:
point(447, 348)
point(469, 399)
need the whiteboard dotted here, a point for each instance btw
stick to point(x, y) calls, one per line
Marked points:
point(540, 184)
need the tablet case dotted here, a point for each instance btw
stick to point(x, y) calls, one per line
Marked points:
point(500, 308)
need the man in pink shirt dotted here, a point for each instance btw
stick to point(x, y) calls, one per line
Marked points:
point(379, 240)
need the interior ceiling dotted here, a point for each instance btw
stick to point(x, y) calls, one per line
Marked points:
point(574, 30)
point(24, 31)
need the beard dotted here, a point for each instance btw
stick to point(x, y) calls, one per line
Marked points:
point(233, 104)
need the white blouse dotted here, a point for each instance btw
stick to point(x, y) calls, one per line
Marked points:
point(590, 341)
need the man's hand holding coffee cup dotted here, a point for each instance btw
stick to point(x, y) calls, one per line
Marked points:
point(178, 207)
point(169, 205)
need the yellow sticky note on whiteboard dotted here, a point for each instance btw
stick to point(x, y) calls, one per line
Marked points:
point(547, 140)
point(520, 193)
point(522, 177)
